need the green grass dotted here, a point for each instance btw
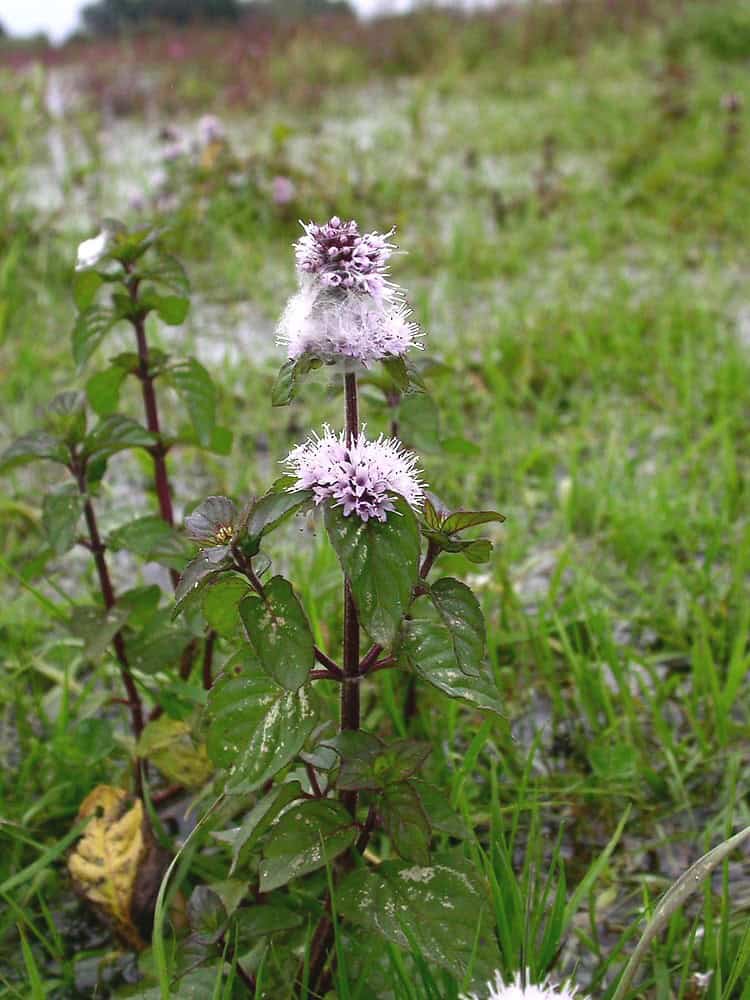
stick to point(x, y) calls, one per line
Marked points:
point(593, 363)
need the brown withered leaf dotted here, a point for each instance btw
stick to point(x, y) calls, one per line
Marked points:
point(116, 866)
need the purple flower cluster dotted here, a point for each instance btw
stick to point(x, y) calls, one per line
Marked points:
point(361, 477)
point(339, 256)
point(346, 309)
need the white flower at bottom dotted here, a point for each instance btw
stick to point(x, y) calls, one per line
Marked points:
point(360, 477)
point(516, 990)
point(339, 326)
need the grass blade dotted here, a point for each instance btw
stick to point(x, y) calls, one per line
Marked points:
point(674, 897)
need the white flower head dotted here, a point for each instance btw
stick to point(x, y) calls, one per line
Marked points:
point(360, 477)
point(346, 309)
point(520, 988)
point(345, 326)
point(90, 252)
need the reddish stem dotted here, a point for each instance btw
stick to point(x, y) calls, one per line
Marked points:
point(350, 706)
point(326, 675)
point(208, 659)
point(159, 450)
point(97, 549)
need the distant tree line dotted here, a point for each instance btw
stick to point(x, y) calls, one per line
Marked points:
point(108, 17)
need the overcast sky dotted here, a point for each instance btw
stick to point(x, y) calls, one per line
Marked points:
point(59, 17)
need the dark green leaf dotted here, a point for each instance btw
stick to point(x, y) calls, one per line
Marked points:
point(141, 603)
point(307, 837)
point(438, 808)
point(478, 551)
point(429, 649)
point(103, 390)
point(405, 822)
point(116, 433)
point(460, 613)
point(221, 599)
point(272, 509)
point(158, 646)
point(358, 752)
point(242, 839)
point(66, 416)
point(232, 892)
point(92, 326)
point(168, 271)
point(442, 910)
point(130, 362)
point(97, 627)
point(126, 307)
point(285, 386)
point(193, 383)
point(85, 286)
point(431, 517)
point(198, 573)
point(267, 918)
point(34, 447)
point(279, 632)
point(416, 377)
point(381, 559)
point(396, 368)
point(171, 309)
point(461, 519)
point(221, 441)
point(368, 763)
point(127, 247)
point(207, 914)
point(61, 511)
point(256, 727)
point(153, 539)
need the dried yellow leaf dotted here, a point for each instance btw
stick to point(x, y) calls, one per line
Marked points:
point(104, 865)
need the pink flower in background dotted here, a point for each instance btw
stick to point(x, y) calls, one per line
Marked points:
point(211, 129)
point(175, 143)
point(283, 190)
point(175, 151)
point(176, 49)
point(360, 477)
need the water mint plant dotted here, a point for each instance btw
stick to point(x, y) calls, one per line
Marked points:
point(324, 783)
point(126, 279)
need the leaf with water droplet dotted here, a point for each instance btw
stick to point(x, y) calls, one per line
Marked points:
point(256, 727)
